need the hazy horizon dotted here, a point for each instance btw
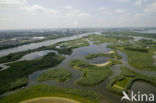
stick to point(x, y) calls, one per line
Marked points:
point(38, 14)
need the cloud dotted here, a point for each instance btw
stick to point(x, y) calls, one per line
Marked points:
point(22, 14)
point(68, 7)
point(150, 8)
point(138, 15)
point(77, 13)
point(24, 6)
point(6, 4)
point(122, 0)
point(38, 8)
point(120, 11)
point(104, 10)
point(139, 3)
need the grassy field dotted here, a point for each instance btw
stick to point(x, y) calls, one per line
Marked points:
point(108, 37)
point(147, 43)
point(99, 39)
point(13, 56)
point(129, 33)
point(59, 74)
point(141, 60)
point(111, 54)
point(125, 80)
point(92, 74)
point(74, 43)
point(16, 75)
point(121, 84)
point(138, 57)
point(50, 91)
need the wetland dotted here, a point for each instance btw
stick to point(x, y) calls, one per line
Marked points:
point(89, 68)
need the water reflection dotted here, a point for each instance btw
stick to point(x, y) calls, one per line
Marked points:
point(36, 55)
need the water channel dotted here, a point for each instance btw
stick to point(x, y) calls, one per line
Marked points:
point(79, 53)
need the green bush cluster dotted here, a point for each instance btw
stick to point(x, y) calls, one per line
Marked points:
point(59, 74)
point(99, 39)
point(139, 49)
point(17, 74)
point(139, 59)
point(92, 75)
point(133, 76)
point(114, 55)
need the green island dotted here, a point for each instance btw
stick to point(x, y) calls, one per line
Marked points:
point(112, 54)
point(107, 38)
point(92, 74)
point(16, 75)
point(138, 57)
point(81, 42)
point(99, 39)
point(127, 34)
point(59, 74)
point(125, 80)
point(95, 73)
point(82, 96)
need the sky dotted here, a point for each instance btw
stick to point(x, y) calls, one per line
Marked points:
point(32, 14)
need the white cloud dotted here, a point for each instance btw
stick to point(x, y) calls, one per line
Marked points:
point(77, 13)
point(151, 8)
point(120, 11)
point(12, 4)
point(18, 14)
point(23, 5)
point(76, 23)
point(122, 0)
point(139, 3)
point(68, 7)
point(104, 10)
point(38, 8)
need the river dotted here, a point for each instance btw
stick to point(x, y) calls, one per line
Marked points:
point(40, 44)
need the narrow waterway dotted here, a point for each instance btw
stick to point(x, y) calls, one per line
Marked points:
point(79, 53)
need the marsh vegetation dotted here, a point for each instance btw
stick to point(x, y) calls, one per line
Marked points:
point(16, 75)
point(59, 74)
point(125, 80)
point(77, 69)
point(51, 91)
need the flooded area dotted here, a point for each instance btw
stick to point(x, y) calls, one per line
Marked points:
point(80, 53)
point(151, 31)
point(36, 55)
point(143, 87)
